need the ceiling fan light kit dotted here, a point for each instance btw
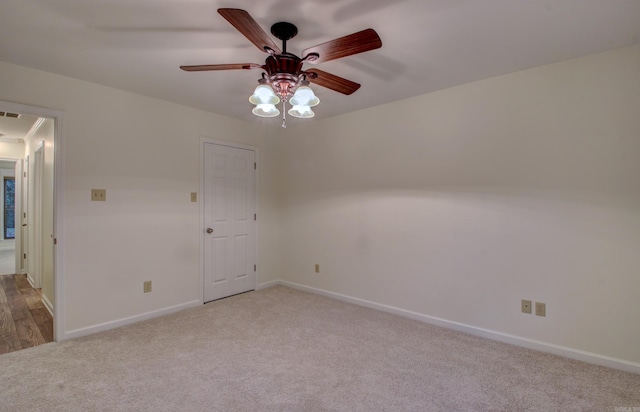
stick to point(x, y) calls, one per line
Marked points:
point(265, 100)
point(304, 96)
point(283, 79)
point(302, 112)
point(265, 110)
point(263, 94)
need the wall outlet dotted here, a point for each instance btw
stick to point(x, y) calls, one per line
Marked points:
point(526, 306)
point(147, 286)
point(194, 196)
point(317, 268)
point(98, 195)
point(541, 309)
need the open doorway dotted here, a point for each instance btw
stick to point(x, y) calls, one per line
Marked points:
point(27, 272)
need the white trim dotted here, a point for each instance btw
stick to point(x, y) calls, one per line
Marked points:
point(201, 219)
point(18, 252)
point(269, 284)
point(564, 351)
point(58, 201)
point(203, 141)
point(76, 333)
point(47, 304)
point(34, 128)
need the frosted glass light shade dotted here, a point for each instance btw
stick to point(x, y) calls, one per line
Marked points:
point(266, 110)
point(303, 112)
point(304, 96)
point(263, 94)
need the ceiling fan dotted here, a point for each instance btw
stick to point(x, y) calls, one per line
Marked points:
point(283, 78)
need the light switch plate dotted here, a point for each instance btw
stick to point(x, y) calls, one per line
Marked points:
point(194, 196)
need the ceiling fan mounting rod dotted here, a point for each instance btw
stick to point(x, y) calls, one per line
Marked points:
point(284, 31)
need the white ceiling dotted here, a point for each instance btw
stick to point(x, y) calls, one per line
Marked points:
point(137, 45)
point(12, 129)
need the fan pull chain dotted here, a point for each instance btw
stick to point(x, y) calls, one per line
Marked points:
point(284, 115)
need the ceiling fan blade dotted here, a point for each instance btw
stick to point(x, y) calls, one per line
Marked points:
point(209, 67)
point(333, 82)
point(246, 25)
point(355, 43)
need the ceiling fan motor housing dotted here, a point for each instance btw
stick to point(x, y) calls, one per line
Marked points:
point(284, 73)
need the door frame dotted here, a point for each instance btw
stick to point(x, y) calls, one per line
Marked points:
point(203, 142)
point(19, 217)
point(58, 206)
point(36, 219)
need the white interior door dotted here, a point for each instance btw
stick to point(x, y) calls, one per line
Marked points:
point(24, 228)
point(18, 213)
point(36, 219)
point(229, 221)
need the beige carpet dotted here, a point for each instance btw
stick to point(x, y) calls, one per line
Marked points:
point(284, 350)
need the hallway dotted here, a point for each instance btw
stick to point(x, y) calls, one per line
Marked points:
point(24, 320)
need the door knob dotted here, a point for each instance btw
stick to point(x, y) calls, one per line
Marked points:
point(209, 230)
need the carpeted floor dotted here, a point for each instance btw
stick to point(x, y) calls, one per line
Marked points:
point(284, 350)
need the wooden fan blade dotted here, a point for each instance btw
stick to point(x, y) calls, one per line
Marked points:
point(209, 67)
point(246, 25)
point(333, 82)
point(355, 43)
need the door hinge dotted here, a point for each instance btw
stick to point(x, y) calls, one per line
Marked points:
point(24, 174)
point(255, 216)
point(24, 256)
point(255, 166)
point(255, 267)
point(55, 241)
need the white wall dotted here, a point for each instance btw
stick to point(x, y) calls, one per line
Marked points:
point(11, 150)
point(145, 153)
point(460, 203)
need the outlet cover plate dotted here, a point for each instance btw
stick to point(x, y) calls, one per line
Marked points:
point(98, 195)
point(147, 286)
point(526, 306)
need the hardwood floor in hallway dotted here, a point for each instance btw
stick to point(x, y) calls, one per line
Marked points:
point(24, 320)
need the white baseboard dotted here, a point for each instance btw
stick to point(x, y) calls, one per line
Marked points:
point(47, 304)
point(76, 333)
point(564, 351)
point(30, 280)
point(268, 284)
